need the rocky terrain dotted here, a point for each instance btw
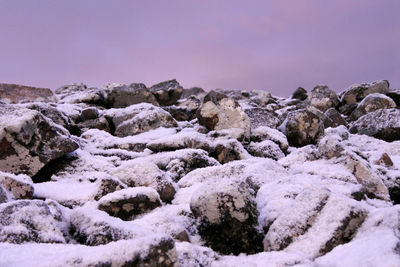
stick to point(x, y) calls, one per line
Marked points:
point(130, 175)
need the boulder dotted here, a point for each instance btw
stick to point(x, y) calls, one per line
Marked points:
point(395, 96)
point(302, 127)
point(90, 113)
point(80, 93)
point(262, 117)
point(28, 141)
point(127, 203)
point(20, 186)
point(146, 174)
point(335, 117)
point(382, 124)
point(29, 221)
point(219, 112)
point(300, 93)
point(296, 219)
point(227, 215)
point(15, 93)
point(323, 98)
point(358, 92)
point(167, 93)
point(371, 103)
point(228, 150)
point(264, 133)
point(107, 186)
point(139, 118)
point(122, 95)
point(265, 149)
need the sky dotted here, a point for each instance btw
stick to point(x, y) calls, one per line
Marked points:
point(243, 45)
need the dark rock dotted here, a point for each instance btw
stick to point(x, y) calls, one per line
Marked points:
point(300, 93)
point(347, 109)
point(227, 216)
point(302, 127)
point(264, 133)
point(121, 95)
point(358, 92)
point(89, 114)
point(126, 204)
point(28, 140)
point(108, 185)
point(28, 221)
point(382, 124)
point(181, 113)
point(167, 93)
point(262, 117)
point(395, 95)
point(227, 151)
point(3, 195)
point(99, 123)
point(371, 103)
point(15, 93)
point(323, 98)
point(335, 117)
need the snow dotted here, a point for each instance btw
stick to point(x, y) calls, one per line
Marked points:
point(131, 193)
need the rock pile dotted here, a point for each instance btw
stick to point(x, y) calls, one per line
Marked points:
point(130, 175)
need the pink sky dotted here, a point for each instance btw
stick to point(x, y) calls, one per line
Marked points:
point(271, 45)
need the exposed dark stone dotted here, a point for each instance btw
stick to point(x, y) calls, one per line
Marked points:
point(262, 117)
point(323, 98)
point(300, 93)
point(335, 117)
point(358, 92)
point(192, 91)
point(121, 95)
point(167, 93)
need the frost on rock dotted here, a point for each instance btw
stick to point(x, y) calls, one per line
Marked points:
point(28, 221)
point(20, 186)
point(227, 216)
point(130, 202)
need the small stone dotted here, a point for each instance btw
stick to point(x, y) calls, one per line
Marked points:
point(385, 160)
point(300, 93)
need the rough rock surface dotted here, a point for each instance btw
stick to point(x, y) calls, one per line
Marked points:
point(383, 124)
point(323, 98)
point(220, 112)
point(167, 93)
point(227, 217)
point(300, 93)
point(152, 186)
point(15, 93)
point(28, 141)
point(302, 128)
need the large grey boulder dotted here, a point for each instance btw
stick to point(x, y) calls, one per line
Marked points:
point(122, 95)
point(167, 93)
point(80, 93)
point(139, 118)
point(15, 93)
point(382, 124)
point(220, 112)
point(262, 117)
point(28, 140)
point(227, 215)
point(371, 103)
point(323, 98)
point(358, 92)
point(302, 127)
point(29, 221)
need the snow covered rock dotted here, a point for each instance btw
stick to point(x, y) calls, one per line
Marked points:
point(139, 118)
point(296, 220)
point(302, 127)
point(4, 197)
point(122, 95)
point(80, 93)
point(20, 186)
point(130, 202)
point(227, 215)
point(152, 250)
point(29, 221)
point(323, 98)
point(266, 149)
point(185, 110)
point(262, 117)
point(220, 112)
point(358, 92)
point(146, 174)
point(382, 124)
point(28, 141)
point(371, 103)
point(15, 93)
point(167, 93)
point(264, 133)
